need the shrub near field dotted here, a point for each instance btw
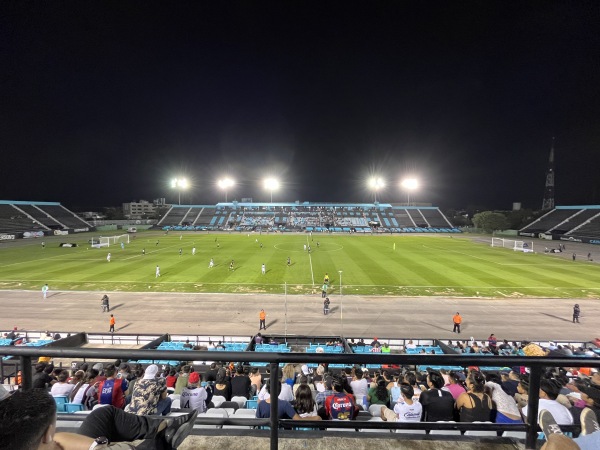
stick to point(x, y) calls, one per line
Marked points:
point(418, 266)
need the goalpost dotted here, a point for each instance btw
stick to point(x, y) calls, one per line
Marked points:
point(107, 241)
point(517, 246)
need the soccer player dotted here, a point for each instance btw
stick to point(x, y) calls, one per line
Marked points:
point(157, 272)
point(122, 246)
point(43, 244)
point(264, 269)
point(289, 261)
point(144, 252)
point(326, 278)
point(45, 290)
point(180, 251)
point(193, 251)
point(108, 257)
point(231, 265)
point(211, 264)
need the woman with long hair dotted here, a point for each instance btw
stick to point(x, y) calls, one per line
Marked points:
point(379, 395)
point(222, 386)
point(305, 404)
point(475, 405)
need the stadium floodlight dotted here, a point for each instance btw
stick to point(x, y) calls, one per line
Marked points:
point(271, 184)
point(179, 184)
point(410, 184)
point(376, 183)
point(225, 183)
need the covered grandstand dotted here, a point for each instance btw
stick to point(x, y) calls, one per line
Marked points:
point(567, 223)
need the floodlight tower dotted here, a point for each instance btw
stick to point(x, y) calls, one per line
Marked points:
point(548, 202)
point(376, 183)
point(179, 184)
point(410, 184)
point(272, 184)
point(225, 183)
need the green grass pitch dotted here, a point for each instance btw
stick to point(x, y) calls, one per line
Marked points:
point(418, 266)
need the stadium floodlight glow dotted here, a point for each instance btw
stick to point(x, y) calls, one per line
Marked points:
point(272, 184)
point(410, 184)
point(179, 184)
point(225, 183)
point(376, 183)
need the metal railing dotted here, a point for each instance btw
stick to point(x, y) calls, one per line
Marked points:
point(535, 364)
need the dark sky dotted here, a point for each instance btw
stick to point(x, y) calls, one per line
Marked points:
point(104, 102)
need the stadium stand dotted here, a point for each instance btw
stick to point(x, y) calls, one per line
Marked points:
point(577, 223)
point(21, 217)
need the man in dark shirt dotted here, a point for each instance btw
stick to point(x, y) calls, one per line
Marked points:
point(41, 380)
point(437, 404)
point(240, 383)
point(211, 374)
point(508, 384)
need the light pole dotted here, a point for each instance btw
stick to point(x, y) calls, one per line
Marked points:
point(271, 184)
point(179, 184)
point(341, 304)
point(225, 183)
point(410, 184)
point(376, 183)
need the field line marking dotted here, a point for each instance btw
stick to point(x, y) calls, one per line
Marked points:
point(312, 275)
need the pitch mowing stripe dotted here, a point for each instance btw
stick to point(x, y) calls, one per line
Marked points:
point(312, 285)
point(312, 274)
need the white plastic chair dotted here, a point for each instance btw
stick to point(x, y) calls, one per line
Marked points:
point(239, 400)
point(217, 400)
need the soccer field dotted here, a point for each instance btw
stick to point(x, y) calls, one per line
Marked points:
point(400, 265)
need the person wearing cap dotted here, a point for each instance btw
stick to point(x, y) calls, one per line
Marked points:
point(437, 403)
point(193, 396)
point(29, 423)
point(149, 395)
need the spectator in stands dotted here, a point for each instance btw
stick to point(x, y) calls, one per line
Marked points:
point(171, 379)
point(29, 423)
point(222, 386)
point(112, 390)
point(406, 409)
point(326, 392)
point(340, 405)
point(86, 394)
point(62, 386)
point(437, 404)
point(475, 405)
point(455, 386)
point(288, 374)
point(182, 379)
point(211, 374)
point(285, 409)
point(379, 395)
point(305, 404)
point(255, 380)
point(506, 410)
point(149, 395)
point(549, 390)
point(509, 382)
point(240, 383)
point(41, 380)
point(194, 396)
point(360, 386)
point(411, 379)
point(258, 339)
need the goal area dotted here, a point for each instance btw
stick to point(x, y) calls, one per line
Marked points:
point(107, 241)
point(517, 246)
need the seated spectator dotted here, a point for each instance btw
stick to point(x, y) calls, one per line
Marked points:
point(29, 423)
point(222, 386)
point(379, 395)
point(62, 387)
point(149, 395)
point(549, 390)
point(405, 410)
point(240, 383)
point(360, 386)
point(255, 380)
point(506, 408)
point(285, 409)
point(171, 379)
point(455, 384)
point(437, 404)
point(258, 339)
point(182, 379)
point(211, 374)
point(288, 374)
point(41, 380)
point(112, 390)
point(475, 405)
point(411, 379)
point(305, 404)
point(193, 396)
point(340, 405)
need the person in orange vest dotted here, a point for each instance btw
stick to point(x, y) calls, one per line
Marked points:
point(262, 317)
point(457, 321)
point(112, 324)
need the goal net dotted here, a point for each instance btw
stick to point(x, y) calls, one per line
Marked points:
point(107, 241)
point(517, 246)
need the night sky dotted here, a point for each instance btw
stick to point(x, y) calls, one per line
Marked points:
point(104, 102)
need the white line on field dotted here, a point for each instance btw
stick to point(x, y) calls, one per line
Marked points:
point(312, 275)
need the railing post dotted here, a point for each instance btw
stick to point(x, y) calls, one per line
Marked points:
point(26, 376)
point(535, 375)
point(274, 398)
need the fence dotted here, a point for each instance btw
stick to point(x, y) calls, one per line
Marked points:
point(535, 364)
